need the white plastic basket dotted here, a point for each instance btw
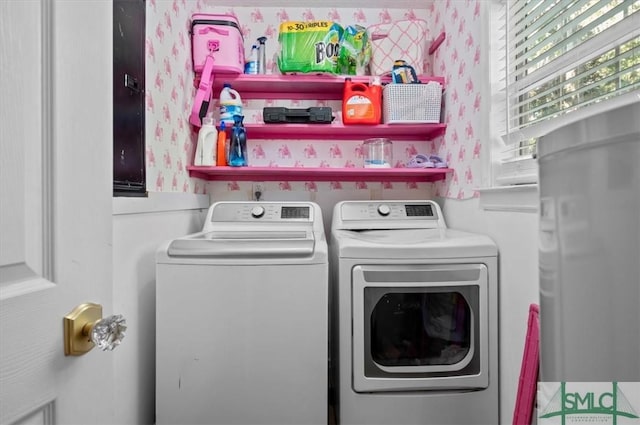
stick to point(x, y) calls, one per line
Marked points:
point(411, 103)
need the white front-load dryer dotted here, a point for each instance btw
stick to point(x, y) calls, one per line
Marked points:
point(242, 318)
point(414, 306)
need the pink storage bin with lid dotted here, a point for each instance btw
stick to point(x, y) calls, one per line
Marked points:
point(217, 35)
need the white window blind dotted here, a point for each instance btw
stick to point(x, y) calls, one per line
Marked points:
point(563, 58)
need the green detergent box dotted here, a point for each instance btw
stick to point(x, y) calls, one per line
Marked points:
point(309, 47)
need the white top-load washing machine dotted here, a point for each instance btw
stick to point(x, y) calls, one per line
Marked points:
point(242, 318)
point(414, 317)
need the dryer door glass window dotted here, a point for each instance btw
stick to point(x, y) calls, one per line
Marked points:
point(419, 326)
point(420, 329)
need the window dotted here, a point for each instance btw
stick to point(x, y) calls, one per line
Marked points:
point(561, 60)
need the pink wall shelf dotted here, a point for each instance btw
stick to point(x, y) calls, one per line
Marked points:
point(303, 86)
point(319, 174)
point(320, 87)
point(337, 131)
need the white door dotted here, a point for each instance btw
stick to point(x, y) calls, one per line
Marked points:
point(55, 212)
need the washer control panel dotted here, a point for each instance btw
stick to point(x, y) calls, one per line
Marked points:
point(384, 210)
point(262, 211)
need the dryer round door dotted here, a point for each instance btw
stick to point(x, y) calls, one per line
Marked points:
point(418, 327)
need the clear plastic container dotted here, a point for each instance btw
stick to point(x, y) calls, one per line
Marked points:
point(377, 153)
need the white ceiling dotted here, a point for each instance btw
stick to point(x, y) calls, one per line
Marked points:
point(390, 4)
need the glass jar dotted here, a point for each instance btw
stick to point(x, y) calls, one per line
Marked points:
point(377, 153)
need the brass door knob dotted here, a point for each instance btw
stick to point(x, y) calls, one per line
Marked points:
point(85, 328)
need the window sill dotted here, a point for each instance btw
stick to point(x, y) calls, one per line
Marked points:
point(518, 198)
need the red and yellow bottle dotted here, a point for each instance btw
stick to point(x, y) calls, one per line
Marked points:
point(362, 103)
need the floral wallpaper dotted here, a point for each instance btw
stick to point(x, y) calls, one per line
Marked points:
point(458, 60)
point(169, 95)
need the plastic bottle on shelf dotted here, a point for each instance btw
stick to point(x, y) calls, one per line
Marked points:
point(376, 85)
point(221, 156)
point(207, 140)
point(362, 103)
point(238, 144)
point(230, 104)
point(251, 67)
point(262, 55)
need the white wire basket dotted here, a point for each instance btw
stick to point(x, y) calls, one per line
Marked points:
point(411, 103)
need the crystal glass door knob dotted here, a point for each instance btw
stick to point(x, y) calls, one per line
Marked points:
point(108, 333)
point(84, 328)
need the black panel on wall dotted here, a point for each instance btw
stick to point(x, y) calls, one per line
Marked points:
point(129, 176)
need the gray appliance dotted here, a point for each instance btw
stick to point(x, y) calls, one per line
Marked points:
point(590, 249)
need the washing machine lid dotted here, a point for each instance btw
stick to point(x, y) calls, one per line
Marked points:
point(245, 244)
point(260, 231)
point(418, 244)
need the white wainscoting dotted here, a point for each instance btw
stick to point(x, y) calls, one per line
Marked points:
point(140, 225)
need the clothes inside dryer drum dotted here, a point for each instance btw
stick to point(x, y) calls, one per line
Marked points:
point(420, 329)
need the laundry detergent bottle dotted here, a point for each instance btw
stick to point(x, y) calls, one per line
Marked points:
point(230, 104)
point(206, 148)
point(362, 103)
point(238, 144)
point(222, 151)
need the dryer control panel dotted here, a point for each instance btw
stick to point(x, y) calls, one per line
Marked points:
point(393, 210)
point(388, 215)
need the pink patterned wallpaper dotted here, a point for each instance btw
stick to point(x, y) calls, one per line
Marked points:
point(458, 60)
point(169, 93)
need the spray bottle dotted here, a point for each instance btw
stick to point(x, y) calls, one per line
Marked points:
point(238, 144)
point(262, 56)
